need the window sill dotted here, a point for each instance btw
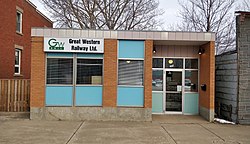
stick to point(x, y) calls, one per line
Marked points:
point(18, 75)
point(19, 33)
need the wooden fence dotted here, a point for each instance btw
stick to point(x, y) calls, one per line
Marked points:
point(15, 95)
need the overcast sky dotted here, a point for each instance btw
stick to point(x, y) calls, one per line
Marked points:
point(170, 17)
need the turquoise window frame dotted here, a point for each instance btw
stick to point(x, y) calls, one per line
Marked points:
point(55, 93)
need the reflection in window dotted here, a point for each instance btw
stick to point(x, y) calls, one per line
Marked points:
point(89, 71)
point(191, 63)
point(157, 80)
point(173, 63)
point(173, 81)
point(174, 102)
point(191, 81)
point(157, 62)
point(17, 61)
point(19, 22)
point(59, 71)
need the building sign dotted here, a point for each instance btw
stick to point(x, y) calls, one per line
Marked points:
point(81, 45)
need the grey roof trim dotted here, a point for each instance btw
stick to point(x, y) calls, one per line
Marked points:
point(136, 35)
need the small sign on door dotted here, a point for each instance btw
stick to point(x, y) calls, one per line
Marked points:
point(179, 88)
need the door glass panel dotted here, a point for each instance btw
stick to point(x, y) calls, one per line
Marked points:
point(174, 102)
point(157, 84)
point(173, 63)
point(174, 91)
point(173, 81)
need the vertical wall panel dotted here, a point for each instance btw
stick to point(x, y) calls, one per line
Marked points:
point(59, 95)
point(148, 74)
point(130, 96)
point(110, 73)
point(157, 102)
point(131, 49)
point(37, 90)
point(191, 103)
point(176, 51)
point(88, 95)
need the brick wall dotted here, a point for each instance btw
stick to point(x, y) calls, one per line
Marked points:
point(9, 38)
point(207, 76)
point(243, 47)
point(148, 74)
point(37, 89)
point(110, 73)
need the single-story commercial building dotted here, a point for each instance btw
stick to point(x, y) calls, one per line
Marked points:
point(120, 75)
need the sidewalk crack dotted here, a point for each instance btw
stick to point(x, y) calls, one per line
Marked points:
point(212, 132)
point(80, 125)
point(168, 134)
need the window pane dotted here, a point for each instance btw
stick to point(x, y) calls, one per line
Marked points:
point(16, 69)
point(89, 71)
point(157, 80)
point(191, 81)
point(173, 80)
point(174, 63)
point(17, 57)
point(191, 63)
point(59, 71)
point(130, 72)
point(157, 63)
point(18, 22)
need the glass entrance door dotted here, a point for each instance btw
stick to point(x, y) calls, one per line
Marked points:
point(173, 91)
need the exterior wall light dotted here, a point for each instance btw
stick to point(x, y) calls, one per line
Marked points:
point(154, 50)
point(201, 51)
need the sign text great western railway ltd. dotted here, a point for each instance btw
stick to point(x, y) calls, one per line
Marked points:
point(81, 45)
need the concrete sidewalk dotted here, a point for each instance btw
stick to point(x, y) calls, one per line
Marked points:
point(170, 129)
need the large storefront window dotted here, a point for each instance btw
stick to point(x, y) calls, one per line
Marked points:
point(74, 79)
point(130, 72)
point(89, 71)
point(59, 71)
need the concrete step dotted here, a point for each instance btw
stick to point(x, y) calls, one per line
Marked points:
point(14, 115)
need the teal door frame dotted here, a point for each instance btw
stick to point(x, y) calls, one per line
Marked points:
point(165, 71)
point(190, 106)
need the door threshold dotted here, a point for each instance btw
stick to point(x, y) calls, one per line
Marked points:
point(172, 112)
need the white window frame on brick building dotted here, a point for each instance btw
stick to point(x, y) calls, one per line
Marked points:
point(17, 61)
point(19, 20)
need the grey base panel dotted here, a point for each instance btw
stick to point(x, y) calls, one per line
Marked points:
point(208, 114)
point(91, 113)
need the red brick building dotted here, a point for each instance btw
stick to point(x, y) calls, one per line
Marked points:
point(16, 19)
point(120, 75)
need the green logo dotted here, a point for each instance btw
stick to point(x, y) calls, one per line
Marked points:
point(54, 45)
